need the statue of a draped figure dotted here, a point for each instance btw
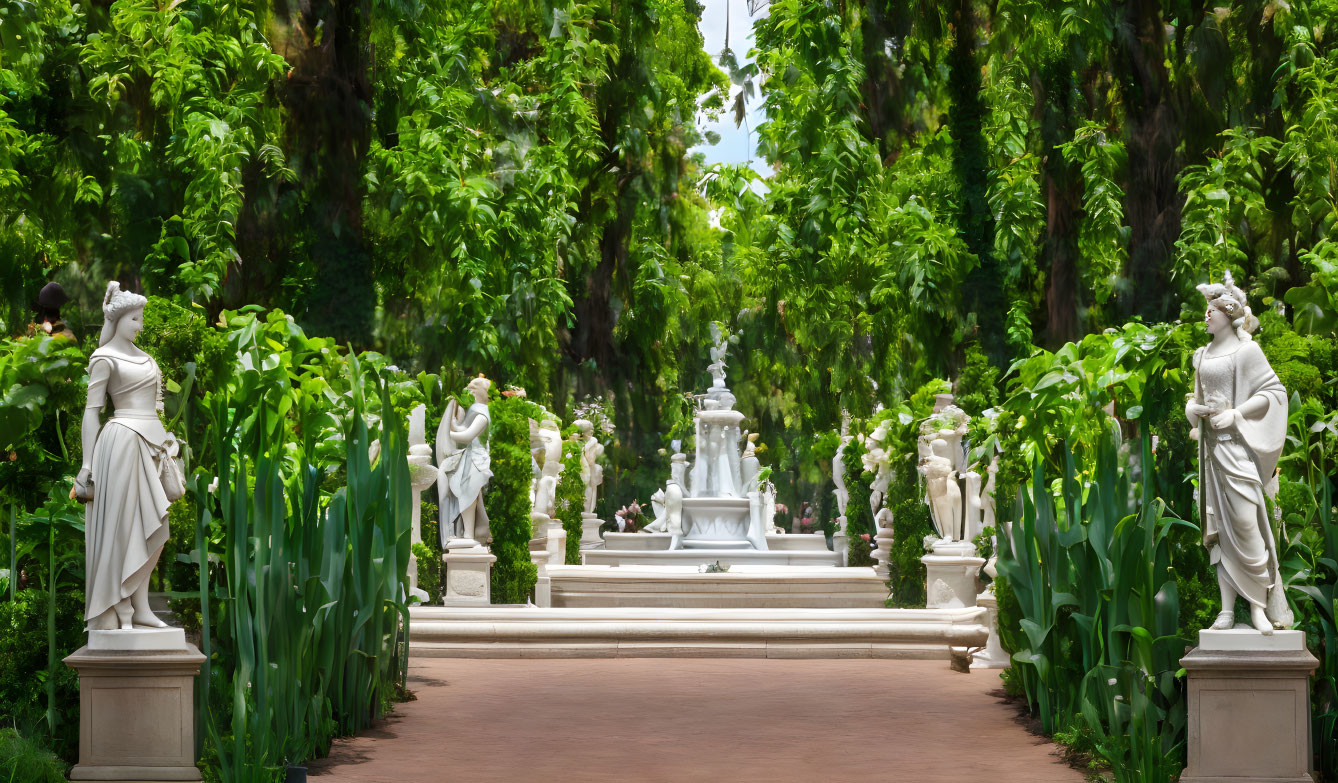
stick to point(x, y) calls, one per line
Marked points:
point(129, 474)
point(592, 473)
point(1239, 411)
point(548, 438)
point(462, 457)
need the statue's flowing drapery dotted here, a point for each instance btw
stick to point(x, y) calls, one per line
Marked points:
point(126, 524)
point(1235, 465)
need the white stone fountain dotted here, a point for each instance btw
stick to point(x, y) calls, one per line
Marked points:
point(715, 509)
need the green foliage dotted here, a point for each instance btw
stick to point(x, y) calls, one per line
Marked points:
point(24, 758)
point(571, 497)
point(977, 386)
point(507, 498)
point(429, 572)
point(41, 401)
point(24, 670)
point(305, 629)
point(859, 518)
point(911, 525)
point(1088, 580)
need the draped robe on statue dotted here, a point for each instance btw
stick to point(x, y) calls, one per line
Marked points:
point(126, 524)
point(1235, 465)
point(466, 474)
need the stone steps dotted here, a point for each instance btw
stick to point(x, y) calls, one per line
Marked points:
point(810, 587)
point(531, 632)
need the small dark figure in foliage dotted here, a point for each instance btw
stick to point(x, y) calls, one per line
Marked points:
point(47, 321)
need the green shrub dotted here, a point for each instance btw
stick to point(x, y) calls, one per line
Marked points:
point(912, 523)
point(429, 572)
point(26, 760)
point(859, 519)
point(430, 568)
point(23, 664)
point(571, 497)
point(977, 383)
point(508, 498)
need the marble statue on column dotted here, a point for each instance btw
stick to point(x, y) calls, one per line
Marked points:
point(592, 477)
point(136, 673)
point(549, 441)
point(878, 461)
point(592, 473)
point(954, 496)
point(943, 491)
point(462, 457)
point(841, 492)
point(130, 472)
point(1239, 413)
point(548, 545)
point(761, 495)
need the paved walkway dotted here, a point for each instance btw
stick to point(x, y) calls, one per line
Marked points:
point(668, 720)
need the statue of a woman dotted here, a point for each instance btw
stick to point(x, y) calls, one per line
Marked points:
point(592, 473)
point(129, 475)
point(1239, 410)
point(462, 440)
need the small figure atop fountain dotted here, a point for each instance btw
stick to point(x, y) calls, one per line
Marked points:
point(717, 365)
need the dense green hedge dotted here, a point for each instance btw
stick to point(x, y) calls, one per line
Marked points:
point(859, 519)
point(23, 666)
point(571, 495)
point(508, 498)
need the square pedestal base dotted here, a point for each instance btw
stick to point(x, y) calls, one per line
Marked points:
point(950, 580)
point(1249, 709)
point(136, 714)
point(590, 530)
point(468, 576)
point(994, 656)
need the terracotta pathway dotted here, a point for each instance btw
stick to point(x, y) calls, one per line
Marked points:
point(733, 721)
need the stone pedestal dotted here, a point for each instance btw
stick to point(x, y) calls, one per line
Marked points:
point(557, 543)
point(590, 530)
point(883, 553)
point(468, 573)
point(993, 656)
point(136, 706)
point(543, 583)
point(1249, 708)
point(841, 546)
point(950, 575)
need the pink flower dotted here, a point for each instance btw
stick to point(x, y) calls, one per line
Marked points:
point(864, 536)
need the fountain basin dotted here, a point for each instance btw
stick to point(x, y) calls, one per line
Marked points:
point(716, 523)
point(721, 417)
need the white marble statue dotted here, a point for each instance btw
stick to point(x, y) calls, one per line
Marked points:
point(839, 478)
point(878, 461)
point(549, 437)
point(943, 491)
point(130, 473)
point(462, 457)
point(1239, 412)
point(592, 473)
point(761, 495)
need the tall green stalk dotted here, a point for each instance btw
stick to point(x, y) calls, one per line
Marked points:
point(1099, 644)
point(51, 715)
point(13, 551)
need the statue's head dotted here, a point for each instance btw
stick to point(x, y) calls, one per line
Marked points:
point(584, 426)
point(122, 314)
point(479, 387)
point(1228, 309)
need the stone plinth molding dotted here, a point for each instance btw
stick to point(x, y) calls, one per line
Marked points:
point(1249, 712)
point(136, 714)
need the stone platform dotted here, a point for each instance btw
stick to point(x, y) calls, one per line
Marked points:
point(622, 549)
point(530, 632)
point(743, 586)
